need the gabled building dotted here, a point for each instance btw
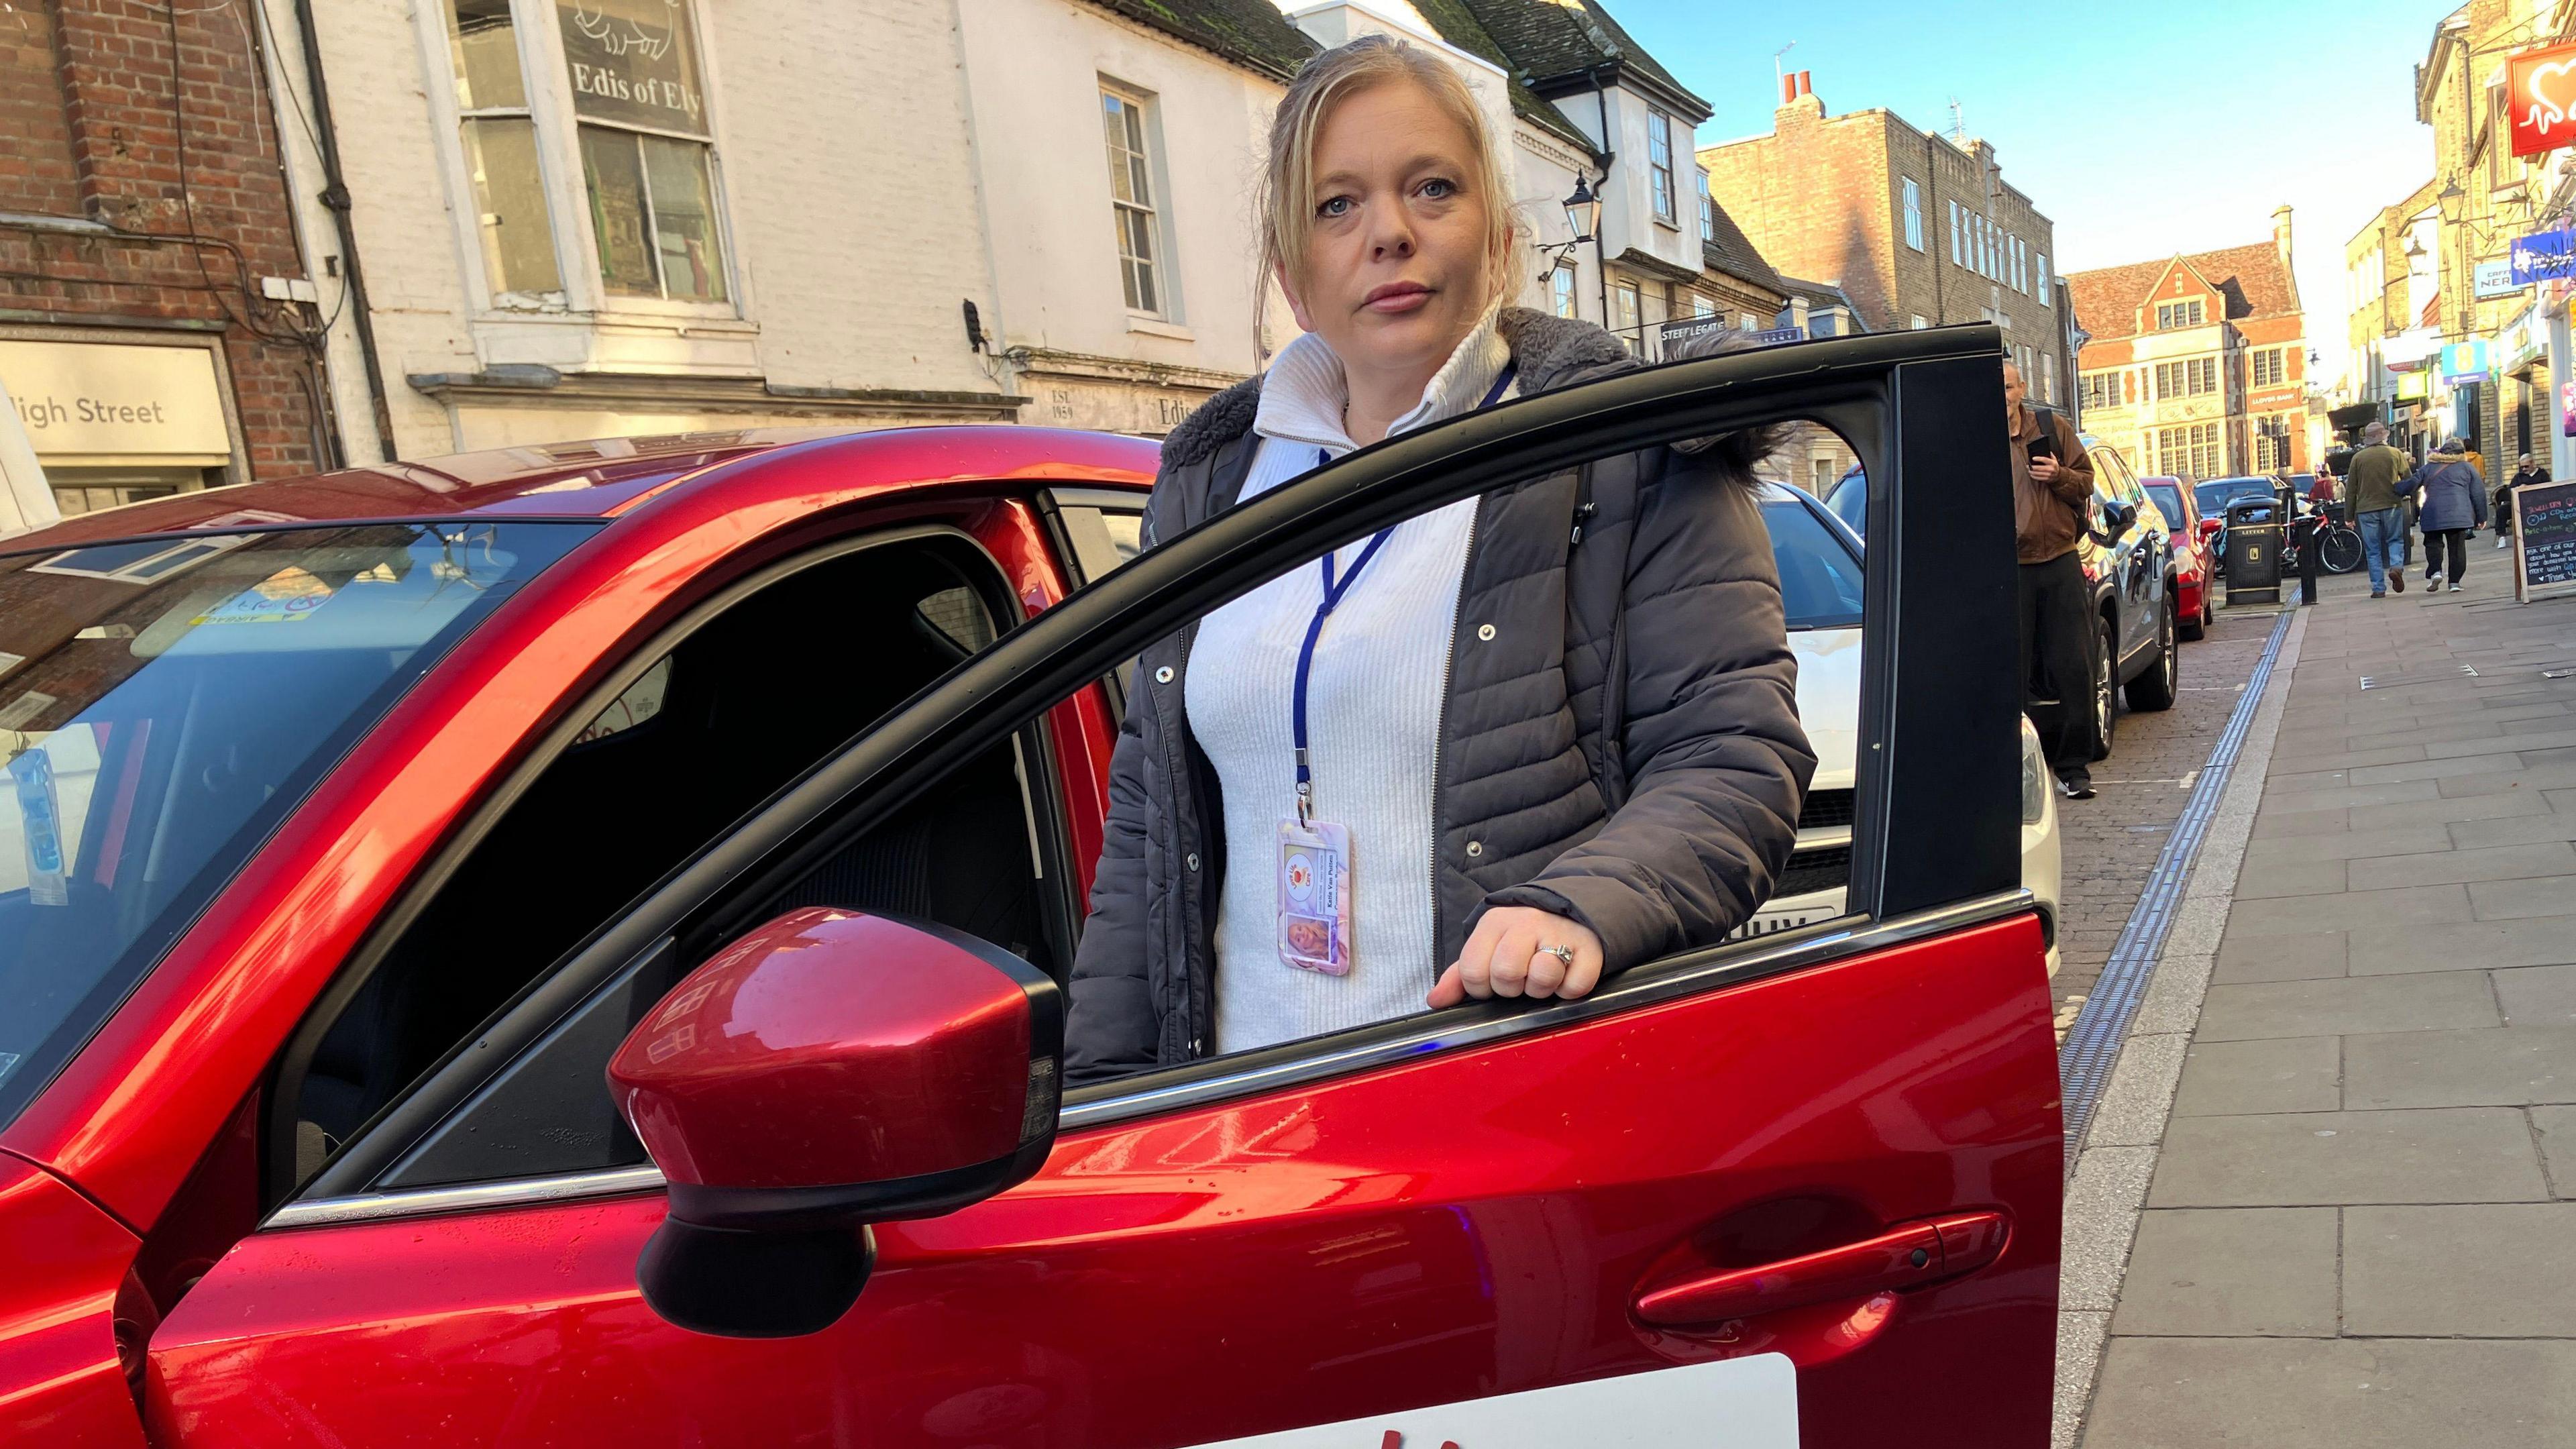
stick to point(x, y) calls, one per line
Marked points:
point(1918, 229)
point(2197, 363)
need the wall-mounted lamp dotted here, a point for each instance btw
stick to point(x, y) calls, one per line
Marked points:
point(1582, 217)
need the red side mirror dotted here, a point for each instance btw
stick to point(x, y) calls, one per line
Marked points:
point(829, 1070)
point(2209, 527)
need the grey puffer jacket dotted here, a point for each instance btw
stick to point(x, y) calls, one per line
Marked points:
point(1624, 751)
point(2454, 496)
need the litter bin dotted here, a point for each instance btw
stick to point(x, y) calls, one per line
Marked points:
point(2254, 527)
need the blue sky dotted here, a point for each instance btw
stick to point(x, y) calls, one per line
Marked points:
point(2140, 130)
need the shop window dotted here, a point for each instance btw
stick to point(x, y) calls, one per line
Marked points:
point(631, 90)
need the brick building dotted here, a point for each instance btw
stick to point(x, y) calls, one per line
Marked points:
point(1920, 230)
point(2198, 363)
point(155, 332)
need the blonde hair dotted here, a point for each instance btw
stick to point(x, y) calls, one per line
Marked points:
point(1287, 205)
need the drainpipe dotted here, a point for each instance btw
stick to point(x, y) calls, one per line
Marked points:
point(1600, 257)
point(335, 196)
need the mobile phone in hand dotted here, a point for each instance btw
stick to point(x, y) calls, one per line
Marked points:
point(2042, 446)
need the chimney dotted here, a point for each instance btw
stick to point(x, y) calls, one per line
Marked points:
point(1788, 88)
point(1798, 94)
point(2281, 234)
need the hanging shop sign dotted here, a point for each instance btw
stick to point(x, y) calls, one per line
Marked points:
point(2542, 256)
point(2541, 92)
point(101, 401)
point(2520, 341)
point(634, 62)
point(2495, 279)
point(2465, 361)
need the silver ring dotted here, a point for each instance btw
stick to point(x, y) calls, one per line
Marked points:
point(1564, 954)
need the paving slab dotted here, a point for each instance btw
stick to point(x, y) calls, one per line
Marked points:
point(2276, 1074)
point(2232, 1271)
point(2512, 900)
point(2350, 845)
point(2279, 824)
point(2275, 879)
point(2307, 1393)
point(2445, 810)
point(2350, 796)
point(2497, 763)
point(2537, 995)
point(2469, 745)
point(2335, 1006)
point(2459, 732)
point(2328, 768)
point(2102, 1200)
point(2514, 830)
point(2557, 776)
point(2483, 1270)
point(2299, 1159)
point(2475, 946)
point(2554, 1128)
point(2502, 862)
point(2357, 911)
point(2511, 1066)
point(2281, 958)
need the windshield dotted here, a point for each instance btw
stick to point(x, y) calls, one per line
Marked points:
point(164, 704)
point(1850, 501)
point(2214, 496)
point(2168, 498)
point(1820, 580)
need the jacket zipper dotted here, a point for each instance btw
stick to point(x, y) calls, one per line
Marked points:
point(1163, 699)
point(1440, 731)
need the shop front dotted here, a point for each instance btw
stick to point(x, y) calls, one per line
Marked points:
point(118, 416)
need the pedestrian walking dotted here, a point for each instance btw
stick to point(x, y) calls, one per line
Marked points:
point(2052, 484)
point(1611, 822)
point(2454, 503)
point(2525, 471)
point(2378, 509)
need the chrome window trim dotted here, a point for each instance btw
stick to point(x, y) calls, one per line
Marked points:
point(1729, 965)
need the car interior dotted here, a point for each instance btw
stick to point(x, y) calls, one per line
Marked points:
point(740, 708)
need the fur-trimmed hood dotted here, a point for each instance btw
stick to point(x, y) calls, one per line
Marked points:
point(1551, 352)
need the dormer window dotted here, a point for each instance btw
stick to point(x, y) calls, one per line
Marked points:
point(2170, 315)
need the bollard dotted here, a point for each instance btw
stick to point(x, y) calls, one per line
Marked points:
point(2308, 560)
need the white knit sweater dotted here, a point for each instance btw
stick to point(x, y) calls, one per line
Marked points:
point(1373, 715)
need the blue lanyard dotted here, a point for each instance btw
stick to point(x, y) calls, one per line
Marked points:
point(1334, 592)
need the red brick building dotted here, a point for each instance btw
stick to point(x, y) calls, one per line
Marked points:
point(156, 329)
point(2198, 363)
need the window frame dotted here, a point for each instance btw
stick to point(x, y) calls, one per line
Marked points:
point(1565, 297)
point(547, 79)
point(1157, 157)
point(1707, 208)
point(1913, 213)
point(1900, 402)
point(459, 1079)
point(1661, 182)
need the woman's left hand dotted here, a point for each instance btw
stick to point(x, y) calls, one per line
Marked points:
point(1507, 956)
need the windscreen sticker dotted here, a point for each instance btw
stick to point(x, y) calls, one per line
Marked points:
point(18, 712)
point(40, 815)
point(284, 597)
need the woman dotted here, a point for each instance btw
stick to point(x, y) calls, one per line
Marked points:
point(2454, 503)
point(1584, 723)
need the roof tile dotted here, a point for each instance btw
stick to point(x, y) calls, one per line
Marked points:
point(2250, 277)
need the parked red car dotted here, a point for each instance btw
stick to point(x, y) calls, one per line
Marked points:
point(2195, 602)
point(366, 826)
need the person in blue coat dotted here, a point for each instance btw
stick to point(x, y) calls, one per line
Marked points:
point(2452, 502)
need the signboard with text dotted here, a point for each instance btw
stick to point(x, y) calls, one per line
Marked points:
point(2465, 361)
point(108, 400)
point(2544, 540)
point(2495, 279)
point(2543, 256)
point(634, 62)
point(2541, 94)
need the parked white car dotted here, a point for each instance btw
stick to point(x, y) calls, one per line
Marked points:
point(1820, 583)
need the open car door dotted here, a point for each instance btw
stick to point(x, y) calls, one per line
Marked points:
point(1796, 1190)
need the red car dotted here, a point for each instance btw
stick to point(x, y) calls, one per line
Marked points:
point(563, 947)
point(2195, 600)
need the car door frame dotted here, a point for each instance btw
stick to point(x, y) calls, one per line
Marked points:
point(1902, 401)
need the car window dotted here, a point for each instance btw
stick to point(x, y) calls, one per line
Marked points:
point(2168, 497)
point(1820, 581)
point(1850, 502)
point(164, 704)
point(750, 699)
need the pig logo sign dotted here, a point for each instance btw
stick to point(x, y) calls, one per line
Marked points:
point(2542, 93)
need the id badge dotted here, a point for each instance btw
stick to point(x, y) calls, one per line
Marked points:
point(1315, 897)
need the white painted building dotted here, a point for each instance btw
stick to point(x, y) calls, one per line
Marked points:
point(581, 218)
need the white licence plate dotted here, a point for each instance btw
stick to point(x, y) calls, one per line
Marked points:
point(1741, 1403)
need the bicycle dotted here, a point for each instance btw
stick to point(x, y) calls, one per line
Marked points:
point(2338, 542)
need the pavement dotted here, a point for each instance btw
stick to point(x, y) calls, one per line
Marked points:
point(2329, 1197)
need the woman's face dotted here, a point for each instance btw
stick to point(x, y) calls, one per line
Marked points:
point(1396, 266)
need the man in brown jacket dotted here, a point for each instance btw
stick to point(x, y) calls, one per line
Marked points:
point(2052, 495)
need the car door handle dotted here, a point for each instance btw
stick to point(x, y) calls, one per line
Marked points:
point(1906, 1256)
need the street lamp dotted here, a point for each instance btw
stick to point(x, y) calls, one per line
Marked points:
point(1582, 217)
